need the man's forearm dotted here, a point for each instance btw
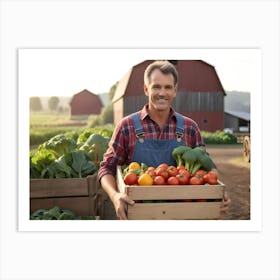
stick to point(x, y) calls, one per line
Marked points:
point(108, 183)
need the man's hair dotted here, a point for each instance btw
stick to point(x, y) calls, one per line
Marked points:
point(164, 66)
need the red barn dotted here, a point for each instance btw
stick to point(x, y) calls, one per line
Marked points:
point(85, 103)
point(200, 94)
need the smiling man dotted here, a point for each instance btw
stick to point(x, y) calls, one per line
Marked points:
point(150, 135)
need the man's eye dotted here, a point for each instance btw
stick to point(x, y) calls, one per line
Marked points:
point(156, 87)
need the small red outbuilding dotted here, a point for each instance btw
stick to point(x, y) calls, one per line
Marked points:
point(85, 103)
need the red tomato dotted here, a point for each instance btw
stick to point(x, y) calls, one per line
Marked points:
point(172, 181)
point(181, 167)
point(211, 178)
point(195, 180)
point(159, 180)
point(162, 171)
point(183, 176)
point(130, 179)
point(186, 172)
point(151, 172)
point(212, 181)
point(200, 172)
point(172, 170)
point(164, 165)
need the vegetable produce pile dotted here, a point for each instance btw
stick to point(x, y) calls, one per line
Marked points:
point(167, 175)
point(64, 157)
point(194, 167)
point(56, 213)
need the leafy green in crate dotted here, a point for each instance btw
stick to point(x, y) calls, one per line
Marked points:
point(62, 157)
point(56, 213)
point(59, 144)
point(96, 145)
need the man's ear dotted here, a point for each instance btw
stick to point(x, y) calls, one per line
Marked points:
point(175, 91)
point(146, 90)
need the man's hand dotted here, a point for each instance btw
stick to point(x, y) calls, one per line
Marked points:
point(120, 201)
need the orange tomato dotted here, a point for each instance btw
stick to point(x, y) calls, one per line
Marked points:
point(134, 165)
point(145, 180)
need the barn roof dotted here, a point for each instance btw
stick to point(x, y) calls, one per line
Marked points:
point(241, 115)
point(194, 76)
point(86, 92)
point(122, 85)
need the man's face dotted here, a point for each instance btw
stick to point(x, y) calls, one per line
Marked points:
point(161, 90)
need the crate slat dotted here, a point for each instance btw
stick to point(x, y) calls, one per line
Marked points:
point(61, 187)
point(175, 192)
point(174, 211)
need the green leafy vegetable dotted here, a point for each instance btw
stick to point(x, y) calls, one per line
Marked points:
point(62, 157)
point(177, 154)
point(56, 213)
point(193, 158)
point(59, 144)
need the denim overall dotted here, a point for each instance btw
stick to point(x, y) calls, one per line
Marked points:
point(154, 152)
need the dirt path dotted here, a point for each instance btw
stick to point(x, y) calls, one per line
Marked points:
point(236, 177)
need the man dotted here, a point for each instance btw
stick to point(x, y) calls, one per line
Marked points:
point(149, 135)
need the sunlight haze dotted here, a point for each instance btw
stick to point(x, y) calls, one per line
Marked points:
point(64, 72)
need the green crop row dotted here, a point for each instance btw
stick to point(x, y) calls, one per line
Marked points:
point(41, 134)
point(218, 137)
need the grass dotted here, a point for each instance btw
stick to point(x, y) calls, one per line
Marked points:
point(48, 119)
point(45, 125)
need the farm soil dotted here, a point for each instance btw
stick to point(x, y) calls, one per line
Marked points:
point(234, 172)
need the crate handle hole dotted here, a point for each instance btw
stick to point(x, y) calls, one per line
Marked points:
point(163, 212)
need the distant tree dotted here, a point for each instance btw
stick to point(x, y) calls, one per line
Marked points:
point(35, 103)
point(53, 103)
point(107, 114)
point(113, 90)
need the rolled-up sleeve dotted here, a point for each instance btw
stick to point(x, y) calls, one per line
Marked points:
point(118, 152)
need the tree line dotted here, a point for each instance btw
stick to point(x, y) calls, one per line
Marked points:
point(36, 104)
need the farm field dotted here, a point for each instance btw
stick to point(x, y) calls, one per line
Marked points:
point(54, 119)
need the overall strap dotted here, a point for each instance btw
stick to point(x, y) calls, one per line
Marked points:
point(138, 129)
point(179, 127)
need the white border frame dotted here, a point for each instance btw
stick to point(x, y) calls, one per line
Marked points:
point(254, 56)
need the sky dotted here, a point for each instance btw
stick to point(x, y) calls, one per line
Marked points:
point(64, 72)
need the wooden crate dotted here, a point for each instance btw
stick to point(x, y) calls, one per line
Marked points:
point(76, 194)
point(173, 208)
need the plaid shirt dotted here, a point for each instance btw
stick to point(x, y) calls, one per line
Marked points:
point(121, 146)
